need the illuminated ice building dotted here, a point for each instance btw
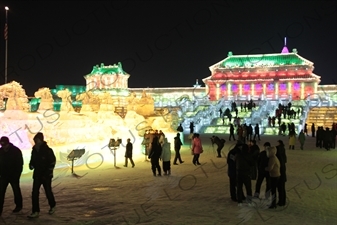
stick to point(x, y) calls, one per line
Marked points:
point(266, 79)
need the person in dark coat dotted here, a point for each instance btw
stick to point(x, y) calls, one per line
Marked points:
point(319, 137)
point(177, 147)
point(180, 128)
point(231, 132)
point(128, 154)
point(11, 165)
point(257, 132)
point(244, 162)
point(191, 127)
point(306, 129)
point(334, 134)
point(43, 162)
point(327, 139)
point(282, 157)
point(262, 163)
point(232, 173)
point(154, 155)
point(254, 150)
point(220, 144)
point(313, 130)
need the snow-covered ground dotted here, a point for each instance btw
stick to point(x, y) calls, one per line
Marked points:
point(103, 194)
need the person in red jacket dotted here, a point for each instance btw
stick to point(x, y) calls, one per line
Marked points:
point(196, 149)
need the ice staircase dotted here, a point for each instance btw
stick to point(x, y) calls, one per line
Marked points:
point(322, 116)
point(202, 114)
point(298, 120)
point(217, 126)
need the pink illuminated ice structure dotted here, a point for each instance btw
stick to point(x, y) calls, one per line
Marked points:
point(285, 49)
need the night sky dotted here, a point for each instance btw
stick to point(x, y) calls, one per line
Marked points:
point(160, 43)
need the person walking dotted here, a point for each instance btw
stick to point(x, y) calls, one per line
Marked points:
point(231, 132)
point(177, 146)
point(43, 163)
point(301, 139)
point(11, 165)
point(166, 157)
point(257, 132)
point(154, 155)
point(292, 140)
point(128, 153)
point(196, 149)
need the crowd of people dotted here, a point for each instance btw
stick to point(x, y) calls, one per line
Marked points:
point(227, 113)
point(246, 163)
point(285, 112)
point(326, 138)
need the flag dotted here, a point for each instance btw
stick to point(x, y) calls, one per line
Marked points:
point(6, 32)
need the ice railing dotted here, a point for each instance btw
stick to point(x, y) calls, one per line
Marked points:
point(267, 110)
point(255, 117)
point(205, 116)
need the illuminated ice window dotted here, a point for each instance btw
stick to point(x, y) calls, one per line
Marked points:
point(283, 87)
point(297, 86)
point(258, 86)
point(271, 87)
point(246, 87)
point(223, 87)
point(234, 87)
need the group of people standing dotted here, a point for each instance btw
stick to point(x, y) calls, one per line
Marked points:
point(246, 163)
point(326, 138)
point(244, 132)
point(11, 165)
point(161, 151)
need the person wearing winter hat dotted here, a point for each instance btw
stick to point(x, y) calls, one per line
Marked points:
point(42, 162)
point(11, 165)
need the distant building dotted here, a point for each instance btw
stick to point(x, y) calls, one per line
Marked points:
point(268, 76)
point(285, 75)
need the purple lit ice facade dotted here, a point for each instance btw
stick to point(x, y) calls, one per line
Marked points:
point(258, 87)
point(223, 87)
point(283, 87)
point(270, 87)
point(297, 86)
point(234, 87)
point(246, 87)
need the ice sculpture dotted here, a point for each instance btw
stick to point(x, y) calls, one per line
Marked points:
point(66, 100)
point(145, 105)
point(17, 98)
point(46, 98)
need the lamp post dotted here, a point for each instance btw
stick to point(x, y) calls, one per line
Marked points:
point(6, 39)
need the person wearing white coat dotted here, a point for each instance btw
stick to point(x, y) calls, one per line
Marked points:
point(166, 157)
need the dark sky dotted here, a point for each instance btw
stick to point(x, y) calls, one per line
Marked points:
point(160, 43)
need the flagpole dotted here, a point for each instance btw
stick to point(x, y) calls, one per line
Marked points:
point(6, 38)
